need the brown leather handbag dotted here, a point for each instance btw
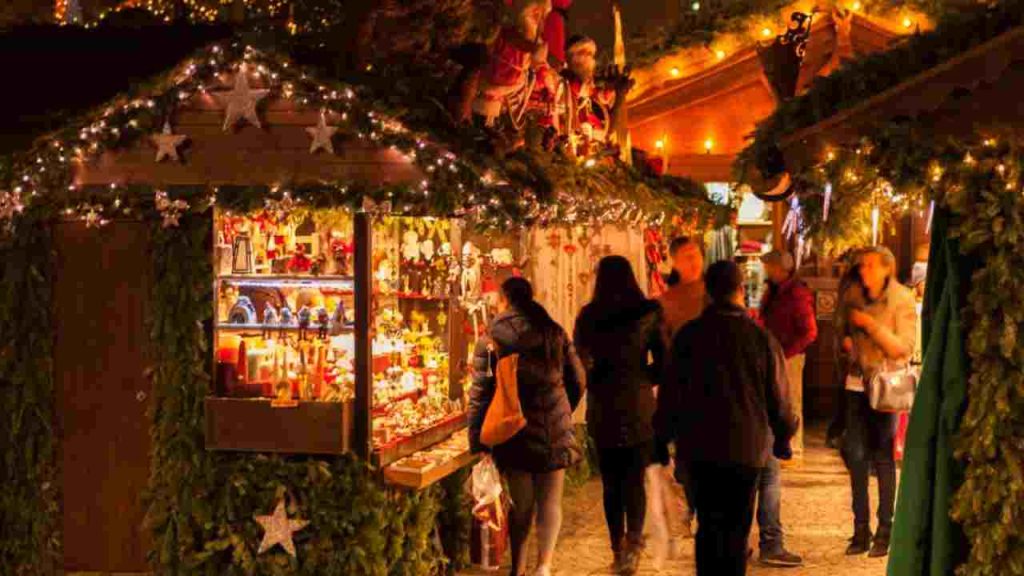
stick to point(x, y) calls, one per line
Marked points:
point(504, 417)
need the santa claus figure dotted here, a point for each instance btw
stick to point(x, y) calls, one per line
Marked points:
point(588, 104)
point(517, 64)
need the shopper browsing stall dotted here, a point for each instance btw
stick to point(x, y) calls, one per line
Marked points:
point(616, 334)
point(550, 381)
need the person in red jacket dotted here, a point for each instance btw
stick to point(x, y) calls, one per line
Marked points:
point(787, 311)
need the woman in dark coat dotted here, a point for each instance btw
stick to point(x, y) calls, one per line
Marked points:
point(550, 382)
point(619, 339)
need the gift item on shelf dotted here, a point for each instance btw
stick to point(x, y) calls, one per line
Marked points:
point(242, 312)
point(241, 255)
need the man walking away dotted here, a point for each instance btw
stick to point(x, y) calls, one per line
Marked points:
point(725, 406)
point(787, 312)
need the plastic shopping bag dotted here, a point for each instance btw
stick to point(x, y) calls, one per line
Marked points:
point(486, 491)
point(659, 536)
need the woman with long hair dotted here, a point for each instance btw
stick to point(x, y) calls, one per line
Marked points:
point(618, 335)
point(881, 327)
point(550, 380)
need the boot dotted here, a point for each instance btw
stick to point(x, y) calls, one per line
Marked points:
point(631, 555)
point(880, 545)
point(618, 550)
point(861, 541)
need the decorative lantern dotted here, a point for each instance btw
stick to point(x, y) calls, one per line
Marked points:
point(241, 254)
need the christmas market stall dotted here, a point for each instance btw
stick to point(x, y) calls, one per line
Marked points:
point(263, 290)
point(933, 127)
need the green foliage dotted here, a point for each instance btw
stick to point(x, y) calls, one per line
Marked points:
point(960, 29)
point(29, 499)
point(990, 226)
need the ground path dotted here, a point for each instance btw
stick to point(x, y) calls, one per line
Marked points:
point(815, 512)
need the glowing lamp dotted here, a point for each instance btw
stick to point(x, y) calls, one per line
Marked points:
point(708, 145)
point(674, 71)
point(720, 54)
point(855, 6)
point(766, 32)
point(907, 22)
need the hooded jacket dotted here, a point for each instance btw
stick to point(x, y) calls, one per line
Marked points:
point(550, 388)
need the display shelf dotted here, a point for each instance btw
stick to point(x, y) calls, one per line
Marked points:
point(397, 449)
point(431, 465)
point(225, 326)
point(254, 425)
point(334, 284)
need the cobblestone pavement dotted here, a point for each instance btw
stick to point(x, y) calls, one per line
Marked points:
point(815, 513)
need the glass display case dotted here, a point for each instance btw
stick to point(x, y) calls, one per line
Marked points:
point(333, 333)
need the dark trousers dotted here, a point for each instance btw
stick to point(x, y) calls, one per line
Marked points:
point(625, 500)
point(869, 441)
point(724, 495)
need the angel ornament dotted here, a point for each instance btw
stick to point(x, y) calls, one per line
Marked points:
point(469, 281)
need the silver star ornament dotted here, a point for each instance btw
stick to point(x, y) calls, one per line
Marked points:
point(240, 102)
point(322, 135)
point(167, 144)
point(278, 530)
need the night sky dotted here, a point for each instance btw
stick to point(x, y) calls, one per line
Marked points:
point(594, 18)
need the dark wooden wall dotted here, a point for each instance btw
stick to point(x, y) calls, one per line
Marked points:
point(103, 396)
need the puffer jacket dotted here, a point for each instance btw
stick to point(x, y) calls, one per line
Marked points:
point(549, 391)
point(615, 347)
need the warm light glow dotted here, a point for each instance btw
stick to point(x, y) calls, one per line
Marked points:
point(855, 6)
point(674, 71)
point(590, 163)
point(766, 32)
point(907, 22)
point(695, 6)
point(708, 145)
point(660, 144)
point(720, 54)
point(874, 225)
point(830, 156)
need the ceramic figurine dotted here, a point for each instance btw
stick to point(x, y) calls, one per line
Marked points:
point(338, 320)
point(323, 319)
point(286, 319)
point(305, 317)
point(242, 312)
point(411, 246)
point(269, 319)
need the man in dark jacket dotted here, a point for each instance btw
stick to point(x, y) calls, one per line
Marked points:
point(787, 312)
point(725, 406)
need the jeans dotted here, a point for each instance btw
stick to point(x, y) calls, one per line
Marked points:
point(724, 496)
point(625, 499)
point(769, 505)
point(540, 493)
point(869, 441)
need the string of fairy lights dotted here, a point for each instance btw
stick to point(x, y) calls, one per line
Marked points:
point(450, 186)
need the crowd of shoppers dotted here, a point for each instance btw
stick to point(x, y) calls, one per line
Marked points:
point(696, 370)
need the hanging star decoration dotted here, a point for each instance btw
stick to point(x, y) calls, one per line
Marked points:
point(322, 134)
point(278, 529)
point(241, 102)
point(170, 210)
point(167, 143)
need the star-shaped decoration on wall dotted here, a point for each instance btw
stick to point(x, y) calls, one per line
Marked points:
point(278, 529)
point(322, 134)
point(241, 102)
point(167, 143)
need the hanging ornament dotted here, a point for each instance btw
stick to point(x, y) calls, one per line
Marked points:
point(322, 134)
point(170, 210)
point(791, 225)
point(10, 206)
point(875, 215)
point(931, 214)
point(278, 529)
point(167, 143)
point(241, 102)
point(828, 201)
point(92, 215)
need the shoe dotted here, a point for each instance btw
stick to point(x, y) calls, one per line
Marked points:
point(860, 543)
point(780, 559)
point(631, 556)
point(880, 545)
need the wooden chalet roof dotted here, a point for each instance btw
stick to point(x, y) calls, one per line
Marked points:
point(723, 101)
point(977, 90)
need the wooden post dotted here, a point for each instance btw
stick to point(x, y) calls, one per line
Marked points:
point(456, 342)
point(621, 109)
point(363, 433)
point(779, 212)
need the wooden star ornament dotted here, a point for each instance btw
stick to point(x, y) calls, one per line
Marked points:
point(322, 135)
point(167, 143)
point(278, 530)
point(240, 102)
